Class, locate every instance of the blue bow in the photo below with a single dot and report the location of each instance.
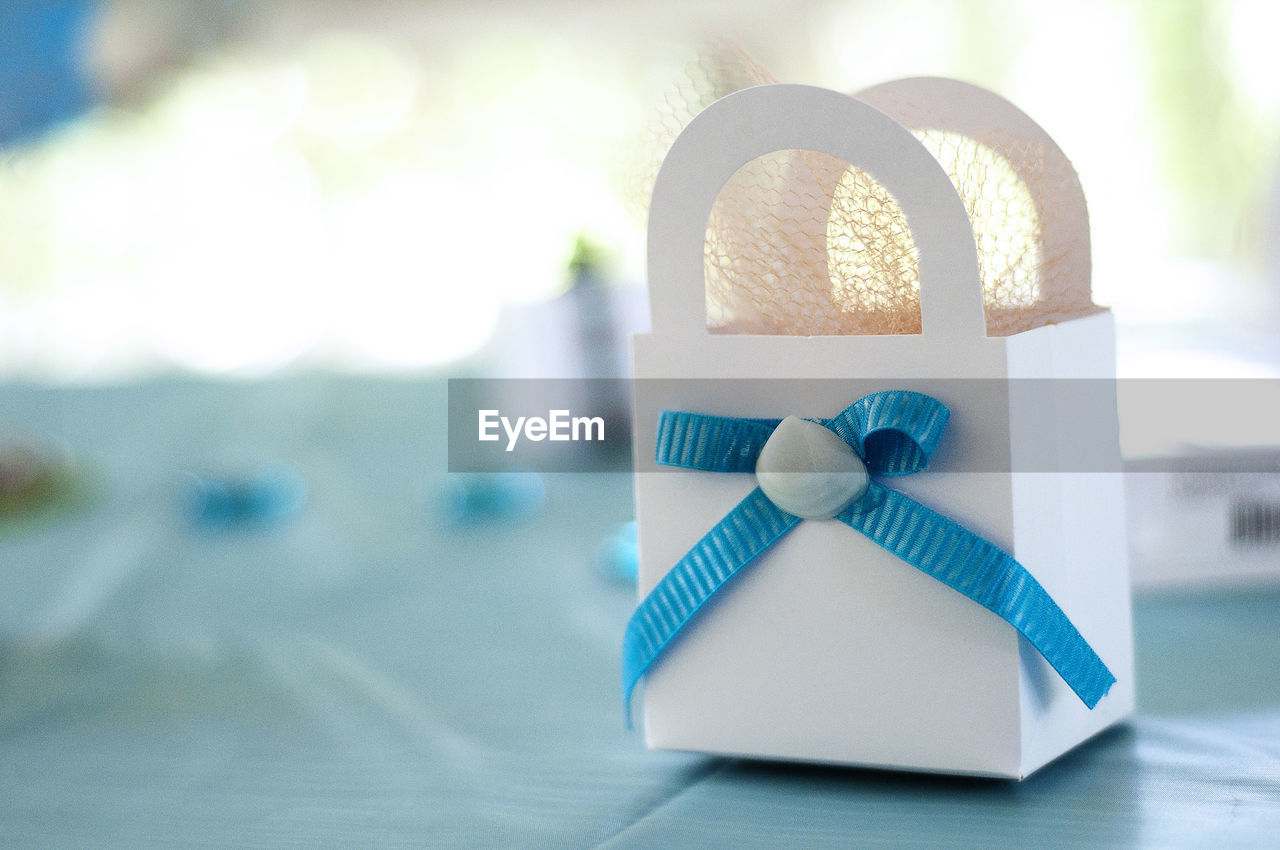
(895, 433)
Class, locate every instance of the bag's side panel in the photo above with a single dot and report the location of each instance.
(1069, 521)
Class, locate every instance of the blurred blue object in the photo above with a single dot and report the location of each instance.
(43, 79)
(267, 497)
(619, 557)
(482, 497)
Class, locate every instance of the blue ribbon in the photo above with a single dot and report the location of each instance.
(895, 433)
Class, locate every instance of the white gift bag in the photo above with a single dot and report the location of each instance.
(827, 648)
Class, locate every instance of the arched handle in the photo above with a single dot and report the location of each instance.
(761, 120)
(937, 103)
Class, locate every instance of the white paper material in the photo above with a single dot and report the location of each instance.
(828, 648)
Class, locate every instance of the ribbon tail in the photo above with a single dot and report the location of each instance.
(965, 562)
(746, 531)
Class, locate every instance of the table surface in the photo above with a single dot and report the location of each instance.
(368, 674)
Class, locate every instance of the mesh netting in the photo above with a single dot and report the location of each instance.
(802, 243)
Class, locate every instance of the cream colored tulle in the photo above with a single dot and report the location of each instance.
(801, 243)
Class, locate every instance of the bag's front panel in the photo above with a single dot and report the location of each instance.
(827, 647)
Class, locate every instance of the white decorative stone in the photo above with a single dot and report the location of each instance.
(808, 471)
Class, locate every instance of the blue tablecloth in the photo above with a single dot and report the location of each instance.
(369, 674)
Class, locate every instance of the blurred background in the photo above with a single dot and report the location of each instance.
(237, 187)
(252, 190)
(244, 242)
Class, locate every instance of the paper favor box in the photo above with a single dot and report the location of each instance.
(826, 646)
